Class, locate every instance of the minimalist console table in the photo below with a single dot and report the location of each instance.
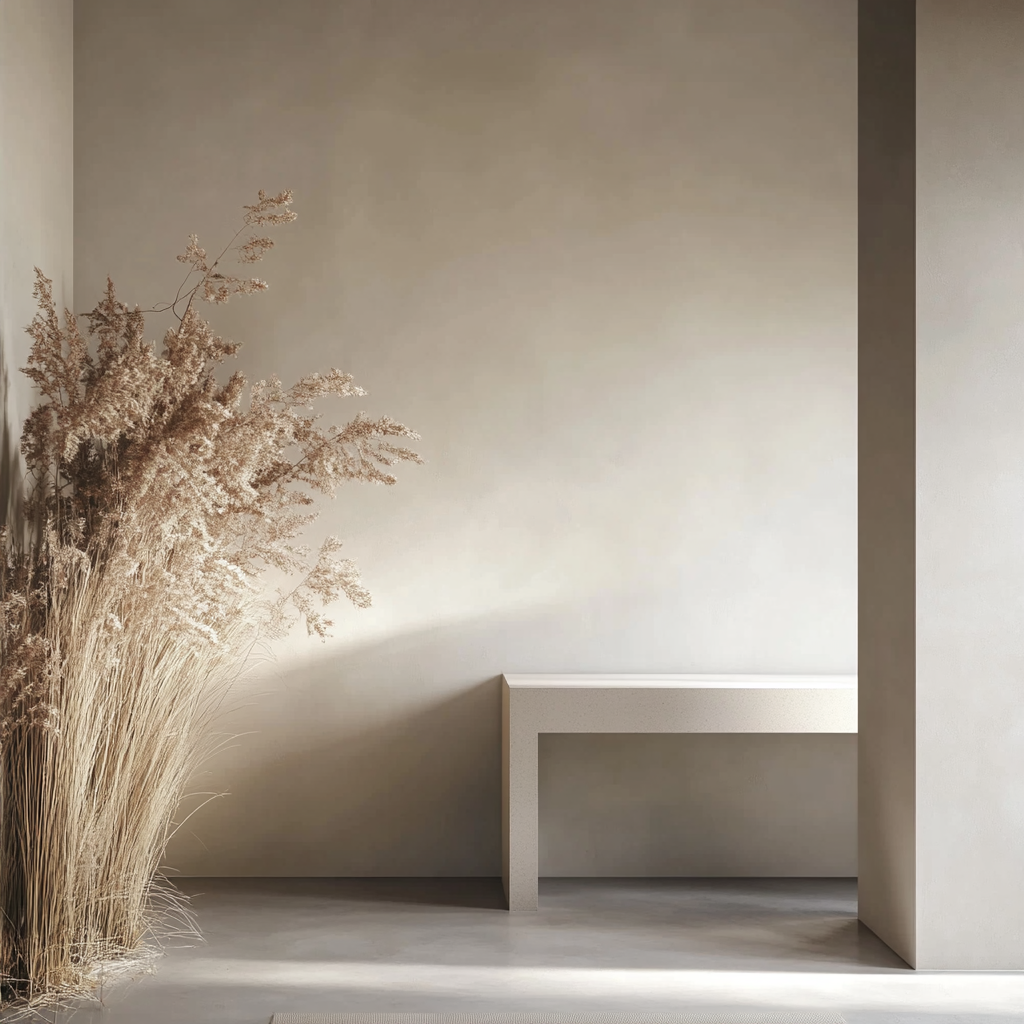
(531, 705)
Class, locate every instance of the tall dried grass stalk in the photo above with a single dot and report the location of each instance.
(129, 598)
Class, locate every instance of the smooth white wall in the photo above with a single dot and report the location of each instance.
(970, 485)
(36, 166)
(603, 256)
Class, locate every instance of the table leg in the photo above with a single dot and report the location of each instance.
(519, 815)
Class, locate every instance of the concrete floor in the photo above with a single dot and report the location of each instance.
(306, 945)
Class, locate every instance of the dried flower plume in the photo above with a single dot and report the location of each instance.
(160, 496)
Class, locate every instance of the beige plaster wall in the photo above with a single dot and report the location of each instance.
(741, 805)
(36, 195)
(970, 485)
(603, 256)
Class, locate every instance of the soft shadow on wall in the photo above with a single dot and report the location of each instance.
(375, 775)
(384, 760)
(10, 464)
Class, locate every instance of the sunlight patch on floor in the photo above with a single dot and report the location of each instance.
(921, 992)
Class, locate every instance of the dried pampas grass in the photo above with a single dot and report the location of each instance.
(133, 593)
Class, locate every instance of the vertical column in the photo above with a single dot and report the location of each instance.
(942, 480)
(887, 467)
(970, 485)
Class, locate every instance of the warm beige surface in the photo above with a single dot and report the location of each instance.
(603, 256)
(942, 498)
(970, 485)
(35, 194)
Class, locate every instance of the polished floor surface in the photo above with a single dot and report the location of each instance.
(331, 946)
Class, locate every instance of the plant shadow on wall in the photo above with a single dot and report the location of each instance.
(392, 787)
(159, 498)
(10, 469)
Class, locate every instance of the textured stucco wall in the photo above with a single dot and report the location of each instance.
(970, 485)
(603, 256)
(36, 166)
